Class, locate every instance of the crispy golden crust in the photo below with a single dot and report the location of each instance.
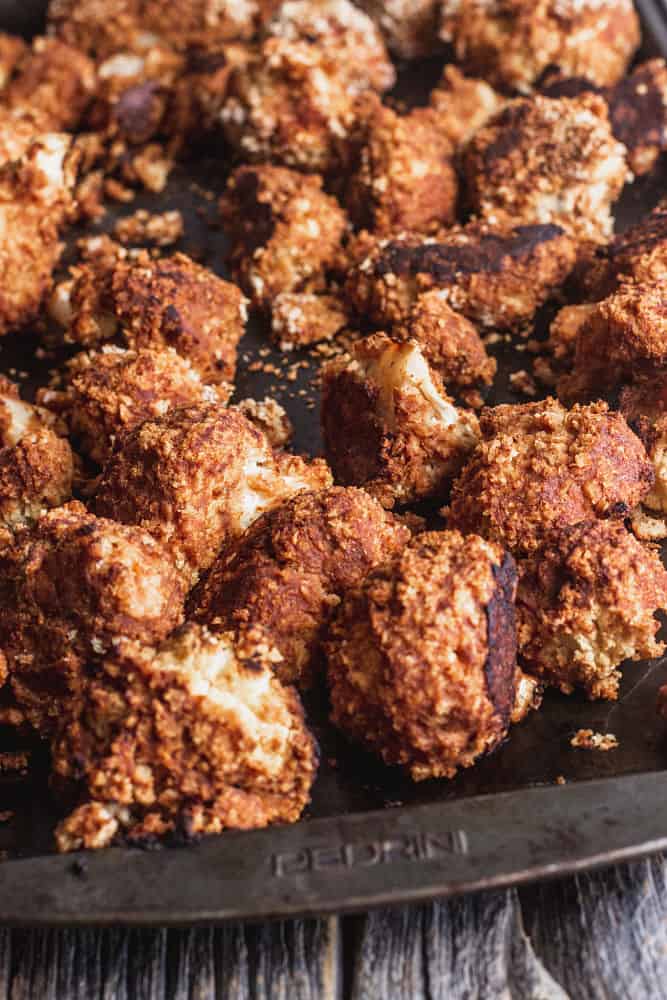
(639, 255)
(388, 423)
(541, 467)
(542, 160)
(623, 335)
(462, 105)
(410, 27)
(301, 318)
(284, 577)
(422, 656)
(71, 586)
(193, 738)
(644, 406)
(108, 392)
(196, 478)
(270, 417)
(171, 302)
(405, 179)
(497, 276)
(285, 230)
(512, 42)
(565, 329)
(292, 105)
(54, 80)
(450, 342)
(35, 474)
(347, 33)
(586, 602)
(12, 49)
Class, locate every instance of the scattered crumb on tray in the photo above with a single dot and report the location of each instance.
(523, 382)
(6, 815)
(586, 739)
(16, 761)
(161, 228)
(561, 780)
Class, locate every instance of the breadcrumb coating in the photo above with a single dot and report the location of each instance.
(422, 656)
(193, 738)
(171, 302)
(285, 576)
(292, 105)
(388, 423)
(638, 255)
(346, 32)
(541, 160)
(35, 200)
(587, 601)
(496, 276)
(623, 335)
(302, 318)
(270, 417)
(564, 330)
(197, 478)
(638, 114)
(410, 27)
(512, 43)
(12, 50)
(644, 405)
(71, 586)
(110, 391)
(54, 80)
(285, 231)
(406, 178)
(540, 467)
(463, 104)
(450, 343)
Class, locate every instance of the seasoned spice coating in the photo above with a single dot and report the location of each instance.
(388, 423)
(638, 255)
(643, 403)
(54, 80)
(540, 467)
(587, 601)
(193, 738)
(422, 656)
(302, 318)
(284, 577)
(462, 105)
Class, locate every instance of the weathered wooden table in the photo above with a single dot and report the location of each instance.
(602, 935)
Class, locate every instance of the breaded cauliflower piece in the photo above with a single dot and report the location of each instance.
(302, 318)
(388, 423)
(496, 276)
(586, 601)
(622, 336)
(146, 303)
(638, 255)
(270, 417)
(512, 43)
(35, 200)
(54, 80)
(638, 114)
(285, 231)
(540, 467)
(348, 34)
(410, 27)
(108, 392)
(197, 478)
(422, 656)
(463, 104)
(541, 160)
(71, 586)
(291, 104)
(643, 403)
(285, 575)
(36, 462)
(406, 178)
(450, 343)
(193, 738)
(564, 330)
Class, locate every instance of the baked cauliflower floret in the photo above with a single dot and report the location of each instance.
(422, 656)
(36, 462)
(450, 343)
(541, 160)
(564, 331)
(638, 255)
(198, 477)
(586, 602)
(348, 34)
(302, 318)
(193, 738)
(540, 467)
(513, 42)
(285, 231)
(284, 577)
(638, 114)
(463, 104)
(623, 335)
(497, 276)
(388, 423)
(53, 79)
(110, 391)
(410, 27)
(405, 179)
(145, 303)
(293, 105)
(35, 200)
(644, 406)
(72, 585)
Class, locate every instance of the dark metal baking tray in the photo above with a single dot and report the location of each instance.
(370, 836)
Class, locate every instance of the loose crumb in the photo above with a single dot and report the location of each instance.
(161, 228)
(586, 739)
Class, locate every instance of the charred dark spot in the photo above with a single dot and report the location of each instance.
(254, 665)
(639, 239)
(556, 86)
(617, 510)
(139, 110)
(257, 216)
(204, 61)
(500, 665)
(445, 262)
(637, 110)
